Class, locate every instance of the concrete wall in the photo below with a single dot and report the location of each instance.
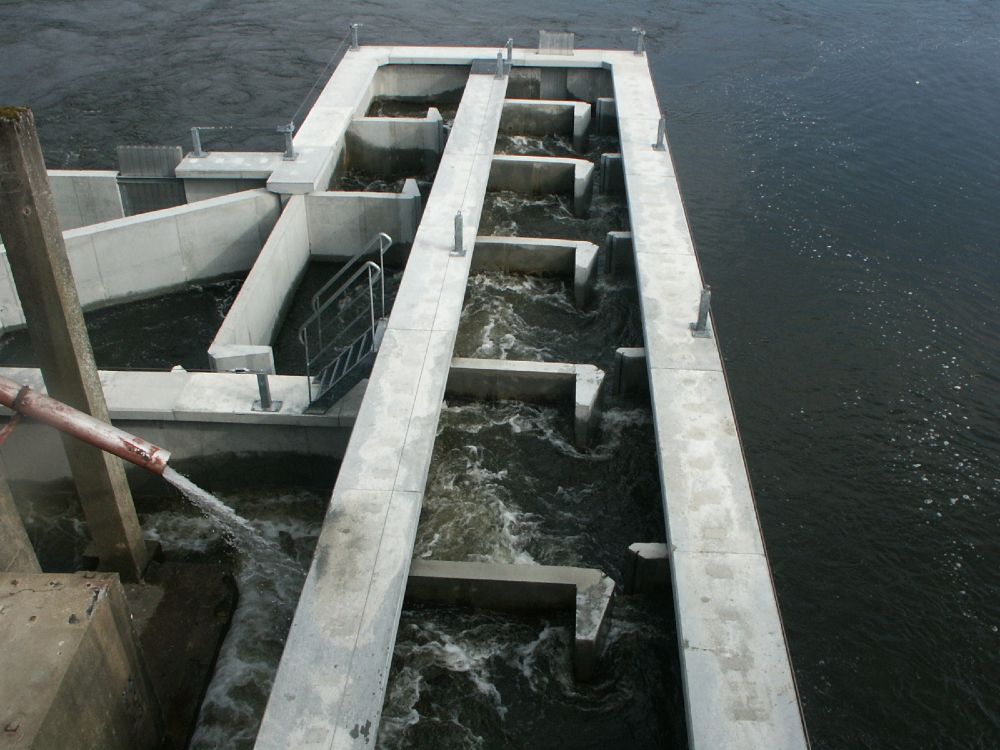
(390, 145)
(203, 189)
(582, 84)
(544, 117)
(73, 674)
(159, 251)
(443, 83)
(541, 175)
(85, 197)
(257, 311)
(342, 223)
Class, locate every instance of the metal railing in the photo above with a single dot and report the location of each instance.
(341, 331)
(384, 242)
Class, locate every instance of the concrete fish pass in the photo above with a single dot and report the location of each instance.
(396, 159)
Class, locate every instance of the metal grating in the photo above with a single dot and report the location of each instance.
(147, 180)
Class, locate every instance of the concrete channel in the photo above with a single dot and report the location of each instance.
(268, 216)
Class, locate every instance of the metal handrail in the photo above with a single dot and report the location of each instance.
(384, 243)
(374, 273)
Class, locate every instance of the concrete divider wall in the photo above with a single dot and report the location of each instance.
(258, 308)
(585, 84)
(392, 144)
(542, 117)
(156, 252)
(416, 83)
(540, 175)
(85, 197)
(341, 223)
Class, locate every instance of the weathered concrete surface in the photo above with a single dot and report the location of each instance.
(159, 251)
(573, 258)
(85, 197)
(73, 675)
(523, 588)
(541, 175)
(16, 553)
(329, 686)
(612, 174)
(618, 252)
(41, 271)
(542, 117)
(533, 381)
(739, 687)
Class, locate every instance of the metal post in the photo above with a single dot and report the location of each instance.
(661, 135)
(197, 152)
(699, 329)
(500, 66)
(640, 36)
(383, 238)
(510, 54)
(43, 278)
(265, 403)
(354, 36)
(459, 241)
(288, 130)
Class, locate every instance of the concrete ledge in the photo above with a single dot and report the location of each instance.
(540, 117)
(647, 568)
(533, 381)
(523, 588)
(229, 165)
(229, 357)
(577, 259)
(631, 373)
(73, 674)
(542, 175)
(85, 197)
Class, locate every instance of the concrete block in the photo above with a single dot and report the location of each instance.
(341, 224)
(204, 189)
(587, 404)
(606, 116)
(576, 259)
(543, 117)
(229, 165)
(73, 672)
(647, 568)
(542, 175)
(392, 145)
(584, 273)
(612, 174)
(523, 588)
(618, 252)
(631, 373)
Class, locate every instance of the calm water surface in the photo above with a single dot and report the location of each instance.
(839, 162)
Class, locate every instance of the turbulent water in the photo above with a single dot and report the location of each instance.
(838, 162)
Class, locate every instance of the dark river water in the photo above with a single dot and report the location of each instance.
(840, 163)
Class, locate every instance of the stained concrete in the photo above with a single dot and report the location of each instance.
(74, 676)
(85, 197)
(16, 553)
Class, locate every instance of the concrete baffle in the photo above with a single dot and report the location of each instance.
(73, 674)
(41, 270)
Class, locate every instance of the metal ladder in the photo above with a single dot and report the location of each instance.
(342, 335)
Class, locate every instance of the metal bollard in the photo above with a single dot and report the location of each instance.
(640, 34)
(265, 403)
(197, 153)
(510, 54)
(354, 36)
(699, 329)
(288, 130)
(500, 67)
(459, 240)
(661, 135)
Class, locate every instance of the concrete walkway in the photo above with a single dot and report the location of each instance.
(329, 687)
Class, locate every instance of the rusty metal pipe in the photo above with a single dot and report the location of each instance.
(23, 400)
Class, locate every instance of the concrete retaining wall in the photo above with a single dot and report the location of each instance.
(85, 197)
(390, 145)
(585, 84)
(542, 117)
(416, 83)
(541, 175)
(341, 223)
(257, 310)
(156, 252)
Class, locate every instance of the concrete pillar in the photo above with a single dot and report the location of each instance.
(16, 553)
(37, 256)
